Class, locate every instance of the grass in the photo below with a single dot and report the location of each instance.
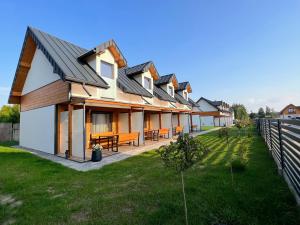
(207, 127)
(140, 190)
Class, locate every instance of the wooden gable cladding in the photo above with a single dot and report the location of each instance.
(25, 60)
(285, 111)
(174, 82)
(54, 93)
(114, 51)
(189, 88)
(153, 72)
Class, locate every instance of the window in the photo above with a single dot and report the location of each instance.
(102, 122)
(185, 95)
(107, 70)
(291, 110)
(147, 83)
(170, 90)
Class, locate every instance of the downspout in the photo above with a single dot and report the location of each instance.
(84, 132)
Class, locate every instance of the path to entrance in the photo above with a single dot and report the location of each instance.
(86, 166)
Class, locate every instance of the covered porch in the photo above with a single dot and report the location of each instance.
(118, 127)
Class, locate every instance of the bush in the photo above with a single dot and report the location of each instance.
(238, 164)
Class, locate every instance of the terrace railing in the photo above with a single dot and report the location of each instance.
(283, 140)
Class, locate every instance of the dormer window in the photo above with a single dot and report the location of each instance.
(185, 95)
(147, 83)
(170, 90)
(107, 70)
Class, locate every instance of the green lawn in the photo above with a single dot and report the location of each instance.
(140, 190)
(207, 127)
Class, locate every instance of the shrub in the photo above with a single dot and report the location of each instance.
(238, 164)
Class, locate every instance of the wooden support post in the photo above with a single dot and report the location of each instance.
(159, 115)
(191, 116)
(178, 119)
(129, 121)
(88, 128)
(58, 129)
(117, 122)
(70, 116)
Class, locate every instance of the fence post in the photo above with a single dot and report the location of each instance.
(270, 134)
(280, 145)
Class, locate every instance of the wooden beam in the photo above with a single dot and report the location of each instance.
(191, 122)
(129, 121)
(88, 128)
(25, 64)
(159, 115)
(70, 118)
(16, 93)
(178, 119)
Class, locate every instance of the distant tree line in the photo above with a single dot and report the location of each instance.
(10, 114)
(267, 113)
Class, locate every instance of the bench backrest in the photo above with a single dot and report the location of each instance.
(97, 135)
(129, 136)
(179, 129)
(164, 131)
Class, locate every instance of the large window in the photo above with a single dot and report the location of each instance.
(291, 110)
(170, 90)
(102, 122)
(147, 83)
(107, 70)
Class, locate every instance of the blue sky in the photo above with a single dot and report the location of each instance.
(237, 51)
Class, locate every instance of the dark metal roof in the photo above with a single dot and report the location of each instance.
(101, 48)
(182, 86)
(63, 57)
(164, 79)
(162, 94)
(193, 103)
(141, 68)
(181, 100)
(130, 85)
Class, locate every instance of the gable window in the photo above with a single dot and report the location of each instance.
(291, 110)
(107, 70)
(147, 83)
(170, 90)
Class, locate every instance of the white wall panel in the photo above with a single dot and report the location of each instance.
(77, 133)
(37, 129)
(166, 122)
(123, 123)
(137, 124)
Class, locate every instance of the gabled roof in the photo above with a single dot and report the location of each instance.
(216, 104)
(130, 85)
(141, 68)
(162, 94)
(193, 103)
(288, 106)
(208, 101)
(184, 86)
(114, 49)
(181, 100)
(61, 54)
(165, 79)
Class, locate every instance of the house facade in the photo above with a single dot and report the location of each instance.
(290, 112)
(214, 113)
(67, 94)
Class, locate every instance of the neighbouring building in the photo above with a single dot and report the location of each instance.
(290, 112)
(68, 93)
(214, 113)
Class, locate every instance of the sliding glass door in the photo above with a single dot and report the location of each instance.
(102, 122)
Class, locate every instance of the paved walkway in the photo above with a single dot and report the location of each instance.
(86, 166)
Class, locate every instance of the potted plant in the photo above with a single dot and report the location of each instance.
(96, 153)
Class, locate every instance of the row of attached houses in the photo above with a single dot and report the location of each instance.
(67, 94)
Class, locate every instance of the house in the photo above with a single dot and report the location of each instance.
(69, 95)
(290, 112)
(214, 113)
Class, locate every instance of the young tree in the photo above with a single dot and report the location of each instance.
(261, 113)
(268, 111)
(181, 155)
(252, 115)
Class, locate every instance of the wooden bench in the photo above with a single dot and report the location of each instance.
(163, 132)
(96, 138)
(178, 130)
(129, 137)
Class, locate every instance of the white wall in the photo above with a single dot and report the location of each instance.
(123, 123)
(196, 121)
(205, 106)
(37, 128)
(207, 120)
(166, 122)
(165, 87)
(184, 121)
(77, 133)
(175, 120)
(40, 73)
(137, 124)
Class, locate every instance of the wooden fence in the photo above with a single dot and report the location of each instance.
(283, 140)
(9, 131)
